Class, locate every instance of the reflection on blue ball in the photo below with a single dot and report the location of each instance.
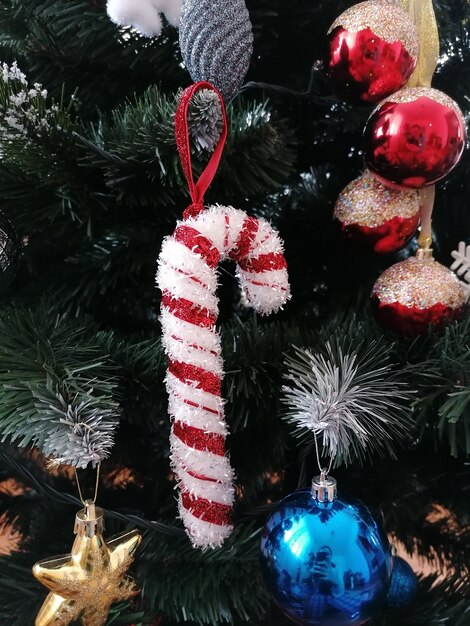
(325, 563)
(403, 584)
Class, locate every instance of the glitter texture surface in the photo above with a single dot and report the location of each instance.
(199, 188)
(389, 22)
(212, 512)
(419, 283)
(403, 584)
(216, 41)
(199, 439)
(366, 202)
(410, 95)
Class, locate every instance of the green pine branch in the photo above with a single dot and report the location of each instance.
(440, 367)
(58, 386)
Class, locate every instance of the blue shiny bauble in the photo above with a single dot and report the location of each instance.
(403, 584)
(325, 563)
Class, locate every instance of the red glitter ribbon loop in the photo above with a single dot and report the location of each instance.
(198, 189)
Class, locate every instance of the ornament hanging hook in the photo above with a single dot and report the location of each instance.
(323, 486)
(87, 503)
(317, 454)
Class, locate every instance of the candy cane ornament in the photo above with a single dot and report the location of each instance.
(187, 276)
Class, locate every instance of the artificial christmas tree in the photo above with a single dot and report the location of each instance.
(90, 180)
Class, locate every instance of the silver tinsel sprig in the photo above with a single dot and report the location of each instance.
(79, 432)
(352, 399)
(205, 120)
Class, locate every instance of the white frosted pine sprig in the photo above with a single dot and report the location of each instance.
(79, 433)
(351, 400)
(24, 109)
(461, 266)
(144, 15)
(205, 120)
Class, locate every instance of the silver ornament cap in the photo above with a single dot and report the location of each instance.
(324, 487)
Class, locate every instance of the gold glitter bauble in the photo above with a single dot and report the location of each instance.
(388, 21)
(419, 283)
(376, 218)
(366, 202)
(85, 583)
(416, 295)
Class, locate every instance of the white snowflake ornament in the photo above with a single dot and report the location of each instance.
(461, 266)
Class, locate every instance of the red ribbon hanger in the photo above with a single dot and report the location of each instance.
(198, 189)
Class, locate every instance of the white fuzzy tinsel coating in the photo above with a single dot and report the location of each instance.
(185, 275)
(222, 225)
(144, 15)
(203, 534)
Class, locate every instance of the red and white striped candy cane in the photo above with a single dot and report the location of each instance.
(187, 277)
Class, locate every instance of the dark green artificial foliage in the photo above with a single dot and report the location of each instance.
(92, 193)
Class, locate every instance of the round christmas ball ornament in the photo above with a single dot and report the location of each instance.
(375, 217)
(216, 41)
(372, 51)
(417, 294)
(414, 138)
(325, 561)
(10, 253)
(403, 584)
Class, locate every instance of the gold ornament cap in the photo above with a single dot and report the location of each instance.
(89, 521)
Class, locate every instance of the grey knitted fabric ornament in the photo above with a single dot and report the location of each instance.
(216, 41)
(205, 120)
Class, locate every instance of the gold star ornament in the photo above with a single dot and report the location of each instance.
(84, 584)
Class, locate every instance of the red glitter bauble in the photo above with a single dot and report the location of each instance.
(416, 295)
(414, 138)
(372, 51)
(376, 218)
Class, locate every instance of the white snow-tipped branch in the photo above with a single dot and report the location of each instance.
(351, 400)
(461, 266)
(144, 15)
(78, 432)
